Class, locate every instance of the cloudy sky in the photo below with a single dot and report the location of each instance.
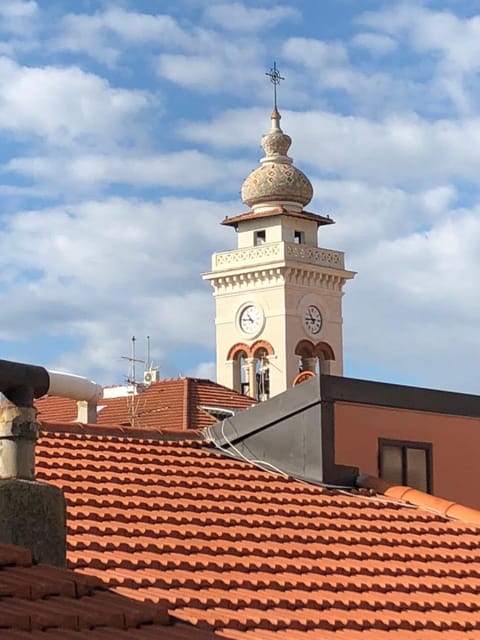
(127, 128)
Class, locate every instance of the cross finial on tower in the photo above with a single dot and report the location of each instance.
(275, 78)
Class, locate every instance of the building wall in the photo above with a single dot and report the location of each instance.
(455, 441)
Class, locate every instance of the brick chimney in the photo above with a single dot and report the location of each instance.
(32, 514)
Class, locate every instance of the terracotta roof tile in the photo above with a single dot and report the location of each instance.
(243, 551)
(178, 404)
(40, 601)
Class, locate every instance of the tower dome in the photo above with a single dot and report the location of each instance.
(276, 182)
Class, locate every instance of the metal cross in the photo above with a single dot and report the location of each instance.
(275, 78)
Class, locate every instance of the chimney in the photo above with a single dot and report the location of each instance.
(86, 412)
(32, 514)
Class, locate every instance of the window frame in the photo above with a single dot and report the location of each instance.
(404, 445)
(259, 237)
(298, 236)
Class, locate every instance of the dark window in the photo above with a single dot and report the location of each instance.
(408, 463)
(263, 384)
(260, 237)
(298, 237)
(244, 389)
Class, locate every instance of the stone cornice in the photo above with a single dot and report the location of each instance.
(279, 275)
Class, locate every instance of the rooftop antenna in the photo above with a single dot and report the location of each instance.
(151, 373)
(133, 360)
(149, 361)
(275, 79)
(132, 408)
(132, 379)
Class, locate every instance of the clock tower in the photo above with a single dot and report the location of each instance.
(278, 295)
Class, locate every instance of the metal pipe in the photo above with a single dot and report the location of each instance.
(68, 385)
(21, 383)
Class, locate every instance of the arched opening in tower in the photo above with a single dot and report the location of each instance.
(316, 358)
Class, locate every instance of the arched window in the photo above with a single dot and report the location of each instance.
(325, 356)
(305, 350)
(262, 374)
(238, 355)
(251, 369)
(314, 357)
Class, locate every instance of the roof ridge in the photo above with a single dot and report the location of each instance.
(442, 506)
(116, 430)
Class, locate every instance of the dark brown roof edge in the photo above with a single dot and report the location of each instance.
(116, 430)
(251, 215)
(387, 394)
(444, 507)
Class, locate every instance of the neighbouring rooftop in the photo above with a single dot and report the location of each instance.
(41, 602)
(177, 403)
(250, 553)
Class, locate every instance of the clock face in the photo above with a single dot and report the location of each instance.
(313, 319)
(251, 319)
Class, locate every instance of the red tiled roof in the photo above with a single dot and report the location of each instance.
(167, 404)
(44, 602)
(251, 553)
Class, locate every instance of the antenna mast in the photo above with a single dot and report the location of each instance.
(131, 380)
(132, 360)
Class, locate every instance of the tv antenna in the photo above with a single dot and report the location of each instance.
(132, 380)
(132, 359)
(149, 360)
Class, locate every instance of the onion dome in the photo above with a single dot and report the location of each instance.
(276, 182)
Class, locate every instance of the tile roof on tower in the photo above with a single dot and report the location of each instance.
(250, 553)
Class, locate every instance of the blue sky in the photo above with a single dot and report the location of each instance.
(128, 128)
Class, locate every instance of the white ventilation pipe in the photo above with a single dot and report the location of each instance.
(68, 385)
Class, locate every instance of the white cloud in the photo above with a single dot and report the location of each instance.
(393, 172)
(102, 34)
(315, 53)
(367, 215)
(189, 169)
(16, 15)
(203, 370)
(393, 151)
(232, 129)
(101, 271)
(416, 303)
(452, 42)
(65, 105)
(458, 39)
(377, 44)
(142, 27)
(236, 16)
(326, 66)
(212, 63)
(204, 74)
(20, 22)
(413, 307)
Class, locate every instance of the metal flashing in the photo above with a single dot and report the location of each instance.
(287, 433)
